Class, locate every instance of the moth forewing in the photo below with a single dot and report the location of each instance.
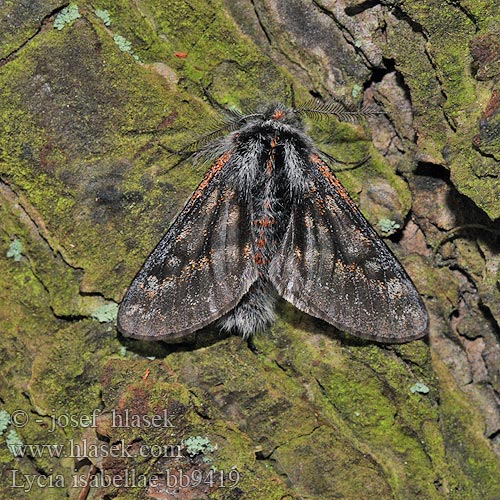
(200, 270)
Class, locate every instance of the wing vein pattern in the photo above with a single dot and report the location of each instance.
(200, 269)
(333, 265)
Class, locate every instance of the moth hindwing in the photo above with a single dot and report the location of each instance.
(269, 219)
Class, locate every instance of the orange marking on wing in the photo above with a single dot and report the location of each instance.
(217, 166)
(327, 174)
(246, 250)
(260, 243)
(298, 253)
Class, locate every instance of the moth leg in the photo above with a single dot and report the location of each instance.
(351, 165)
(254, 313)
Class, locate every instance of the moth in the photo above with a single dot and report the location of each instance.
(271, 220)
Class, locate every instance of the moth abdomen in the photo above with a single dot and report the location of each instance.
(255, 312)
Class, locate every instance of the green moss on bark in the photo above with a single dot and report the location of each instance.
(309, 412)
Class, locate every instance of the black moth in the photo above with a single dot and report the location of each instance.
(270, 219)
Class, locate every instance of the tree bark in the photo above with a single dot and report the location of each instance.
(89, 100)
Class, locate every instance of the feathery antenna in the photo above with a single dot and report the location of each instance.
(315, 108)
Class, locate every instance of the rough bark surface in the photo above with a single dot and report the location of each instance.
(86, 192)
